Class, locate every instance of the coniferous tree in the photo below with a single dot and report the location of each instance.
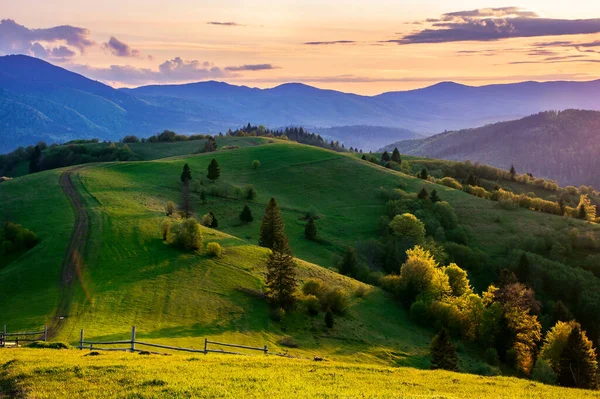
(34, 161)
(329, 318)
(310, 230)
(562, 206)
(281, 279)
(472, 180)
(443, 352)
(423, 194)
(434, 197)
(210, 145)
(186, 177)
(364, 157)
(246, 215)
(424, 174)
(349, 262)
(215, 223)
(578, 364)
(214, 171)
(272, 229)
(513, 172)
(385, 157)
(581, 212)
(396, 156)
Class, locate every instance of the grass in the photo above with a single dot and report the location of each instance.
(43, 373)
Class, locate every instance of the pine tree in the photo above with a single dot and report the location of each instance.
(213, 170)
(434, 197)
(443, 352)
(272, 229)
(581, 212)
(215, 223)
(329, 318)
(513, 172)
(246, 215)
(34, 161)
(349, 262)
(186, 177)
(562, 206)
(396, 156)
(310, 230)
(281, 279)
(424, 174)
(210, 145)
(385, 157)
(364, 157)
(578, 364)
(423, 194)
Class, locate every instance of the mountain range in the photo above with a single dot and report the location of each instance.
(40, 101)
(562, 146)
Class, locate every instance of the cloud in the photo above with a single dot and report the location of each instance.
(18, 39)
(495, 24)
(251, 67)
(58, 53)
(331, 42)
(223, 23)
(120, 49)
(558, 60)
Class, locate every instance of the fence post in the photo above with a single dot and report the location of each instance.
(81, 339)
(266, 350)
(45, 333)
(205, 346)
(133, 338)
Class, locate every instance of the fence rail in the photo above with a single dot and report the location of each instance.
(6, 337)
(131, 345)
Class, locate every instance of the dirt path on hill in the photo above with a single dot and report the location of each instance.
(72, 261)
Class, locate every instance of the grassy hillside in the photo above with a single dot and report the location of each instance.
(71, 373)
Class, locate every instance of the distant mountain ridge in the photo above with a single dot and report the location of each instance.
(562, 146)
(40, 101)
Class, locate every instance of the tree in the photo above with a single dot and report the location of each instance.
(329, 319)
(423, 194)
(555, 342)
(170, 208)
(213, 170)
(349, 262)
(420, 274)
(165, 229)
(443, 352)
(396, 156)
(310, 230)
(364, 157)
(578, 364)
(34, 161)
(513, 173)
(281, 279)
(210, 145)
(255, 164)
(585, 209)
(215, 222)
(424, 174)
(408, 227)
(272, 229)
(562, 206)
(188, 235)
(459, 282)
(434, 197)
(186, 177)
(581, 212)
(385, 157)
(246, 215)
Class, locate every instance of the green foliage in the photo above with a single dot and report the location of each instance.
(396, 156)
(272, 229)
(250, 193)
(542, 372)
(491, 357)
(457, 277)
(170, 208)
(255, 164)
(408, 227)
(349, 263)
(187, 235)
(312, 304)
(443, 352)
(165, 229)
(435, 198)
(214, 171)
(578, 364)
(335, 300)
(313, 287)
(214, 249)
(246, 215)
(281, 278)
(451, 182)
(207, 220)
(49, 345)
(423, 194)
(14, 239)
(310, 230)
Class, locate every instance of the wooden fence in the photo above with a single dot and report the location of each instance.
(131, 345)
(6, 338)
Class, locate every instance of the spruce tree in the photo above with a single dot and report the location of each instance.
(281, 279)
(349, 262)
(396, 156)
(578, 364)
(424, 174)
(213, 170)
(423, 194)
(310, 230)
(385, 157)
(186, 174)
(443, 352)
(34, 161)
(246, 215)
(215, 223)
(562, 206)
(186, 177)
(434, 197)
(272, 229)
(364, 157)
(513, 172)
(581, 212)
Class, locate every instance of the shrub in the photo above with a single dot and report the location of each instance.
(419, 312)
(277, 314)
(207, 220)
(491, 356)
(255, 164)
(542, 372)
(49, 345)
(335, 300)
(170, 208)
(361, 291)
(572, 190)
(312, 304)
(313, 287)
(165, 229)
(131, 139)
(288, 342)
(188, 235)
(451, 182)
(214, 249)
(250, 192)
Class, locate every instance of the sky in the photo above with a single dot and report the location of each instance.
(347, 45)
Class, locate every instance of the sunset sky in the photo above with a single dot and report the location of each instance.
(353, 46)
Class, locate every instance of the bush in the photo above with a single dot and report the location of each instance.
(207, 220)
(277, 314)
(131, 139)
(313, 287)
(361, 291)
(255, 164)
(542, 372)
(451, 182)
(214, 249)
(165, 229)
(170, 208)
(491, 357)
(250, 192)
(572, 190)
(188, 235)
(336, 300)
(419, 312)
(49, 345)
(312, 304)
(288, 342)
